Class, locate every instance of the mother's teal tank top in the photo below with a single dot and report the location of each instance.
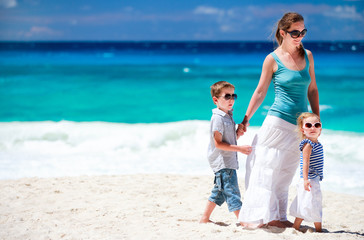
(290, 88)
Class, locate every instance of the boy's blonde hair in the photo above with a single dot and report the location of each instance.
(300, 119)
(217, 87)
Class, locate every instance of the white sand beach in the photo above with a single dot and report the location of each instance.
(147, 207)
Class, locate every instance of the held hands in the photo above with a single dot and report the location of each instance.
(307, 185)
(245, 149)
(240, 130)
(242, 127)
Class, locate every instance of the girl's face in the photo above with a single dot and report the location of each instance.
(297, 26)
(311, 128)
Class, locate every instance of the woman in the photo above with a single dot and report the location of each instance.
(275, 157)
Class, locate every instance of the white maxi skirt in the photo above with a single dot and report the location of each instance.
(308, 204)
(269, 172)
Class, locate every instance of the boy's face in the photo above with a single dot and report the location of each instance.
(222, 103)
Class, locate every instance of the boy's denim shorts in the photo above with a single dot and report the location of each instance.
(226, 189)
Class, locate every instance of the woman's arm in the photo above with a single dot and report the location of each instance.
(312, 93)
(306, 153)
(269, 66)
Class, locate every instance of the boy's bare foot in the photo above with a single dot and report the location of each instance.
(204, 220)
(277, 223)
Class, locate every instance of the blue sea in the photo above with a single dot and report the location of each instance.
(92, 108)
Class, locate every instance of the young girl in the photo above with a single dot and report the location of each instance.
(308, 203)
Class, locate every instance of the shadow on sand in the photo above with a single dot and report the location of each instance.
(305, 229)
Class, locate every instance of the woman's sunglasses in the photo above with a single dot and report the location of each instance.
(229, 96)
(297, 34)
(310, 125)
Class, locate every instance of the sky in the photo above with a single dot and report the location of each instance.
(174, 20)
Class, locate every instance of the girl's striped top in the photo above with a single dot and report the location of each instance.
(316, 160)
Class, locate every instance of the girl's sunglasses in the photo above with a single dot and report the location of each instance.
(297, 34)
(229, 96)
(310, 125)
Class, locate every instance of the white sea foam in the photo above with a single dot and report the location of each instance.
(53, 149)
(323, 107)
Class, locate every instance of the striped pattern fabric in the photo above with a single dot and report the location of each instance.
(316, 160)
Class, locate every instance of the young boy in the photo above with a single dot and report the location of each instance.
(222, 151)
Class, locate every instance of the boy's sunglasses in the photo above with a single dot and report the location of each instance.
(297, 34)
(229, 96)
(310, 125)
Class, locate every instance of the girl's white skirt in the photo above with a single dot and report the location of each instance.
(308, 204)
(269, 172)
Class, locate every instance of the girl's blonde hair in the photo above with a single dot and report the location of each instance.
(300, 119)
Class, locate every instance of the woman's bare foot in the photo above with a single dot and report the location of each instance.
(277, 223)
(287, 223)
(251, 225)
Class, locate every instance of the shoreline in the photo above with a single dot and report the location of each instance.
(49, 149)
(147, 206)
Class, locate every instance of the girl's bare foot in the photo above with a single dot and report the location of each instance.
(318, 226)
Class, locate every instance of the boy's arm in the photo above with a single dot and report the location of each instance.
(306, 153)
(228, 147)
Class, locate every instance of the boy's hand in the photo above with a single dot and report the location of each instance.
(245, 149)
(307, 185)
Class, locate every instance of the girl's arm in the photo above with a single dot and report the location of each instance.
(306, 153)
(312, 93)
(228, 147)
(269, 66)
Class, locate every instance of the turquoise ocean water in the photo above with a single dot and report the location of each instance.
(92, 87)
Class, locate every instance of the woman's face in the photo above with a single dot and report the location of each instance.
(287, 38)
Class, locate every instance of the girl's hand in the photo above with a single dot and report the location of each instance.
(245, 149)
(307, 185)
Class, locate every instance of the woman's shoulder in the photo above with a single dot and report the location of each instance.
(269, 59)
(309, 54)
(270, 56)
(276, 55)
(276, 52)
